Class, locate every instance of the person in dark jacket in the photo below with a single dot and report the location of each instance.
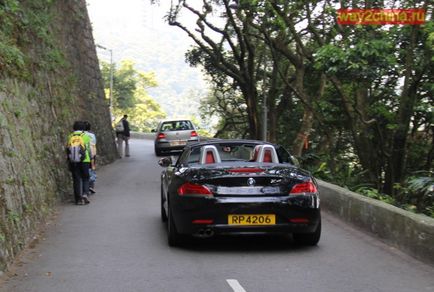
(124, 136)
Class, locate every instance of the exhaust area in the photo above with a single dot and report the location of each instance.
(204, 233)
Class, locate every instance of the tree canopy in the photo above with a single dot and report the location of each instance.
(130, 95)
(354, 101)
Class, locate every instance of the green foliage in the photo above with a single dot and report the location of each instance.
(415, 195)
(375, 194)
(429, 29)
(203, 132)
(14, 217)
(364, 60)
(11, 58)
(130, 95)
(418, 192)
(229, 107)
(25, 23)
(372, 116)
(421, 185)
(124, 85)
(343, 171)
(126, 81)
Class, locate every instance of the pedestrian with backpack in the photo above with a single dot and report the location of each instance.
(123, 135)
(78, 155)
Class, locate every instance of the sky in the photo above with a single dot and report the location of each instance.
(135, 30)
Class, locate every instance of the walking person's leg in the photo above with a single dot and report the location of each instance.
(127, 146)
(84, 172)
(92, 175)
(119, 141)
(76, 182)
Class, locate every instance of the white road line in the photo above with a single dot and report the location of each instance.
(235, 285)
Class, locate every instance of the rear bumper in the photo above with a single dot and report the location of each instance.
(187, 210)
(165, 146)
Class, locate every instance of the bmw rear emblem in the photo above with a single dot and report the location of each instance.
(251, 182)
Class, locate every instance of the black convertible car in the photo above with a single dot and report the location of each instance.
(223, 187)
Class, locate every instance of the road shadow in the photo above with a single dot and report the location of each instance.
(238, 243)
(250, 243)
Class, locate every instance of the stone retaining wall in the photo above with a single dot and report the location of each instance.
(38, 104)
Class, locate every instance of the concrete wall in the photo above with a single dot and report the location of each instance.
(409, 232)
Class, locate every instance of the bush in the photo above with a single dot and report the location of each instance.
(375, 194)
(419, 192)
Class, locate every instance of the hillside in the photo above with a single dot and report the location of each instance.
(135, 30)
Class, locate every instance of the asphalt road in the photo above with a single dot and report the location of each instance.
(118, 243)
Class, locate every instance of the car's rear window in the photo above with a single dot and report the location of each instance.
(176, 126)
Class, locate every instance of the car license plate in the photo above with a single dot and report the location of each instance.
(178, 143)
(239, 190)
(247, 190)
(252, 219)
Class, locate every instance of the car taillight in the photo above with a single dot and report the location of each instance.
(306, 187)
(193, 189)
(299, 220)
(193, 134)
(202, 221)
(161, 136)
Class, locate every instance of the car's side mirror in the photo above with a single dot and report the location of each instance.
(165, 161)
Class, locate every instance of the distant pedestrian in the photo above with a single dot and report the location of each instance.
(78, 155)
(92, 170)
(123, 135)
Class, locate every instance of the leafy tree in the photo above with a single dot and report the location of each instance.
(227, 49)
(360, 97)
(130, 95)
(226, 103)
(377, 93)
(379, 74)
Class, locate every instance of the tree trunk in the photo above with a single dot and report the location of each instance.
(250, 96)
(361, 132)
(303, 133)
(302, 139)
(272, 115)
(397, 160)
(429, 159)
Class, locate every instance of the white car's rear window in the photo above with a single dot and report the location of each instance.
(176, 126)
